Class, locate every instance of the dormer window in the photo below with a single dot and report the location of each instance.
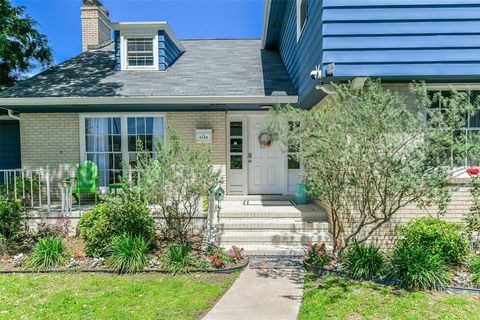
(140, 52)
(145, 46)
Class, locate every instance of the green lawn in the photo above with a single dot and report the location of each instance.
(335, 298)
(106, 296)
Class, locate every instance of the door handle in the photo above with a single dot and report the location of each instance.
(249, 157)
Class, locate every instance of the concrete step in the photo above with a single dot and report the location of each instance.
(273, 238)
(267, 197)
(281, 224)
(271, 250)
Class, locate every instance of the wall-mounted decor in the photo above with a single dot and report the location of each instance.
(203, 135)
(265, 139)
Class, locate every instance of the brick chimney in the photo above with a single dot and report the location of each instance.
(96, 30)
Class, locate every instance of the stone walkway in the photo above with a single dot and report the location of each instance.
(261, 294)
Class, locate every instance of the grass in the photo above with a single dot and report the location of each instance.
(107, 296)
(336, 298)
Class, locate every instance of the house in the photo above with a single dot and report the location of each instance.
(134, 79)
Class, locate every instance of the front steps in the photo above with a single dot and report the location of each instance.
(274, 230)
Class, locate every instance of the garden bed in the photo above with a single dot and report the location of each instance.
(77, 261)
(327, 271)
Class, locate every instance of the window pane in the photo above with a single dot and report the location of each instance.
(236, 129)
(293, 163)
(102, 139)
(117, 128)
(236, 162)
(149, 125)
(131, 126)
(236, 145)
(140, 125)
(140, 52)
(132, 143)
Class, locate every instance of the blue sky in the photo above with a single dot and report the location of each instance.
(60, 19)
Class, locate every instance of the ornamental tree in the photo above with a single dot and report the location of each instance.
(174, 181)
(21, 44)
(370, 152)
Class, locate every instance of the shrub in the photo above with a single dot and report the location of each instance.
(126, 216)
(177, 258)
(128, 254)
(414, 267)
(175, 181)
(47, 253)
(360, 260)
(12, 217)
(474, 268)
(437, 237)
(318, 255)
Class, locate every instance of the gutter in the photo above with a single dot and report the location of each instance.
(170, 100)
(266, 16)
(11, 115)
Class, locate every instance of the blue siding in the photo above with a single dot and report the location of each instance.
(301, 57)
(437, 40)
(168, 52)
(116, 39)
(414, 39)
(10, 145)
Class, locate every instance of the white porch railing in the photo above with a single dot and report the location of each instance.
(31, 186)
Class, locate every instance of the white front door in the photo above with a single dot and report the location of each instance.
(266, 164)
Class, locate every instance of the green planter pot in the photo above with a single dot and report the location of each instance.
(301, 194)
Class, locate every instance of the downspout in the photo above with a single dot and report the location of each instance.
(11, 115)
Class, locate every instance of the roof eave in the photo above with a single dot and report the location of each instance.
(266, 16)
(159, 25)
(172, 100)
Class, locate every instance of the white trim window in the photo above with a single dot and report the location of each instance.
(302, 16)
(470, 132)
(140, 52)
(110, 141)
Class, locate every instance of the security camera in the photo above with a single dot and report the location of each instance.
(316, 74)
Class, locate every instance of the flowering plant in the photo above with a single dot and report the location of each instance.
(235, 253)
(318, 255)
(217, 261)
(473, 171)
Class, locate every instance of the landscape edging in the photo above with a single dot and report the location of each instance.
(223, 271)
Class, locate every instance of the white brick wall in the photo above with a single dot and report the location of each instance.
(50, 139)
(53, 139)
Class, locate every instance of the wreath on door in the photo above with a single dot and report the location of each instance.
(265, 139)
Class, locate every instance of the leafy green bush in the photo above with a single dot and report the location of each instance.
(414, 267)
(12, 218)
(177, 258)
(47, 253)
(360, 260)
(437, 237)
(116, 217)
(474, 268)
(128, 254)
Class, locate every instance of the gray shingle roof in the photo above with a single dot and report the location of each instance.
(207, 68)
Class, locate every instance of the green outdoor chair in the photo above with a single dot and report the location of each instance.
(86, 180)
